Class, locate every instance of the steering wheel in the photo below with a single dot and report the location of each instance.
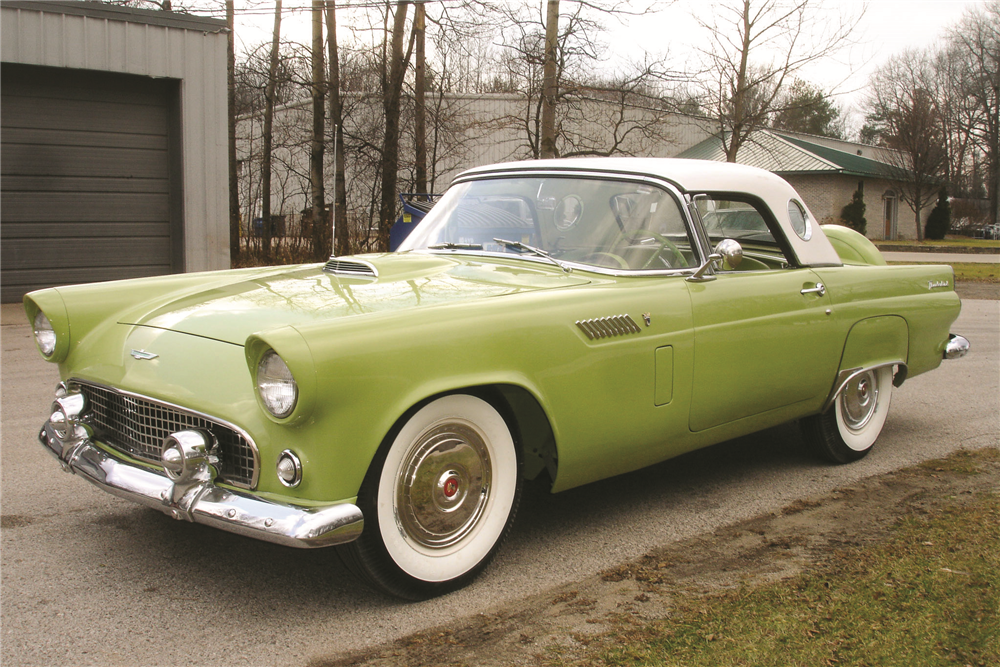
(642, 234)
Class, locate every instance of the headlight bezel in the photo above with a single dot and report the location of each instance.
(276, 385)
(288, 343)
(48, 304)
(45, 334)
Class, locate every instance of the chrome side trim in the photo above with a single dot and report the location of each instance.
(357, 268)
(202, 501)
(956, 347)
(607, 327)
(846, 375)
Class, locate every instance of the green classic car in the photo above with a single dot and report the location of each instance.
(576, 319)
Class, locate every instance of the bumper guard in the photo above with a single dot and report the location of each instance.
(198, 499)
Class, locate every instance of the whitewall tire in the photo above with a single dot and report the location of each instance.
(848, 430)
(439, 499)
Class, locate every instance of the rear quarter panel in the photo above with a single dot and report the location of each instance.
(923, 296)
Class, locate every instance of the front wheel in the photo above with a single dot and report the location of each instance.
(438, 500)
(848, 430)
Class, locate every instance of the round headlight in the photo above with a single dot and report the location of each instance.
(276, 385)
(45, 335)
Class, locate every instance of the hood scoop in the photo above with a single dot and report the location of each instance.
(350, 267)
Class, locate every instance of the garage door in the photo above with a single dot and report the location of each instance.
(86, 180)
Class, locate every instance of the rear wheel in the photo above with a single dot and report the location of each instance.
(848, 430)
(438, 501)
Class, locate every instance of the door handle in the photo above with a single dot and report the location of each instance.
(820, 290)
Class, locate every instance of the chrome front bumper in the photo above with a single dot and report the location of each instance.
(200, 500)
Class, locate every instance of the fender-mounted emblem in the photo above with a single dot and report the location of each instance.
(931, 284)
(143, 355)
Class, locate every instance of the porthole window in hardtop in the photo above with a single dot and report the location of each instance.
(800, 220)
(606, 223)
(747, 221)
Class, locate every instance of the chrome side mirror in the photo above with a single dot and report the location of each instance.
(699, 274)
(731, 251)
(727, 250)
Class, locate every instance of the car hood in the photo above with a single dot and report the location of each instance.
(299, 295)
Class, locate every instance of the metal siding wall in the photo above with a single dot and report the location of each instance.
(197, 57)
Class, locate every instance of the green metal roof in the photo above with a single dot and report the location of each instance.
(783, 154)
(848, 163)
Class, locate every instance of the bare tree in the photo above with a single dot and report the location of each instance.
(557, 116)
(419, 90)
(321, 248)
(272, 74)
(977, 41)
(753, 49)
(341, 241)
(394, 68)
(903, 110)
(550, 83)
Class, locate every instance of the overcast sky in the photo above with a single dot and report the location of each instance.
(887, 27)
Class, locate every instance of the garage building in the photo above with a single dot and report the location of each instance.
(113, 148)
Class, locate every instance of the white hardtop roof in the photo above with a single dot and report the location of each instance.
(697, 176)
(689, 175)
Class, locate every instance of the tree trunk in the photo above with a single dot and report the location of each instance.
(419, 108)
(341, 231)
(265, 184)
(321, 248)
(393, 89)
(549, 83)
(739, 95)
(234, 186)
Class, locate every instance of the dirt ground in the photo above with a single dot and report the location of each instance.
(968, 290)
(571, 622)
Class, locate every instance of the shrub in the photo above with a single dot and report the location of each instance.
(939, 221)
(854, 213)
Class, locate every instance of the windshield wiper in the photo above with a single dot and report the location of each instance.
(517, 245)
(455, 246)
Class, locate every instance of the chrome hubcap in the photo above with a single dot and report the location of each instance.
(858, 400)
(445, 485)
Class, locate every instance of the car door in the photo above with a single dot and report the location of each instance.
(763, 335)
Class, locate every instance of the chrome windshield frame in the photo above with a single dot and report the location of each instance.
(683, 201)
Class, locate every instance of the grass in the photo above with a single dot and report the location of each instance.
(929, 596)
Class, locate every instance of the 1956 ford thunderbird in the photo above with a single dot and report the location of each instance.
(571, 318)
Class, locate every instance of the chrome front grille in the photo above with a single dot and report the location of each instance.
(137, 426)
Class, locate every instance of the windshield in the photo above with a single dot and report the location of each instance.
(612, 224)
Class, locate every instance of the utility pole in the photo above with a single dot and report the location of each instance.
(234, 191)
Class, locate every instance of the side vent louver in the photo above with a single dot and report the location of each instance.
(607, 327)
(350, 267)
